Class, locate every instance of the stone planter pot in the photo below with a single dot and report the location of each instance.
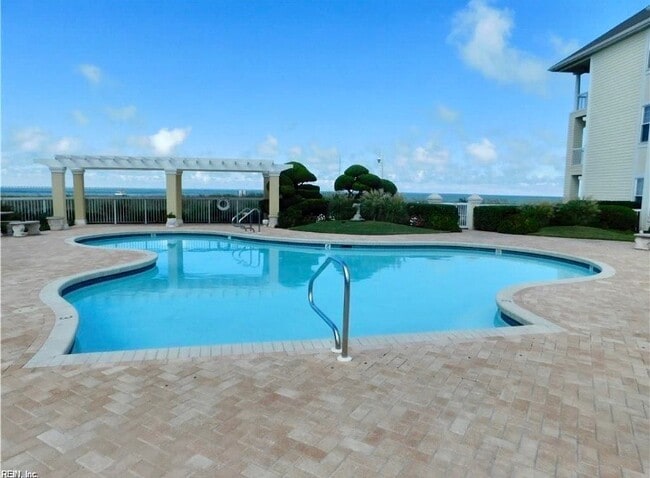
(171, 222)
(56, 223)
(642, 241)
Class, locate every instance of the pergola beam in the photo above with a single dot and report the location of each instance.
(173, 168)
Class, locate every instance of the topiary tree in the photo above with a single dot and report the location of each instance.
(388, 187)
(300, 202)
(357, 179)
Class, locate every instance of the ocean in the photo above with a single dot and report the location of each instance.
(15, 192)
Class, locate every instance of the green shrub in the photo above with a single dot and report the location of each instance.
(519, 224)
(489, 218)
(618, 217)
(441, 217)
(44, 226)
(308, 191)
(540, 213)
(388, 186)
(311, 208)
(290, 217)
(377, 205)
(629, 204)
(340, 207)
(303, 212)
(579, 212)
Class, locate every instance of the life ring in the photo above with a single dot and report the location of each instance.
(223, 204)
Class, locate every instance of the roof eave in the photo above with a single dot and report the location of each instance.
(578, 61)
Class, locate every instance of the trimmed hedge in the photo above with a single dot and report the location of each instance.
(628, 204)
(528, 219)
(519, 224)
(489, 218)
(441, 217)
(621, 218)
(578, 212)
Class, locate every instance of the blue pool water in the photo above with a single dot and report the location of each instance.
(207, 290)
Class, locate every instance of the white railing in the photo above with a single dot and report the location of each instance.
(582, 101)
(124, 210)
(152, 210)
(32, 209)
(462, 214)
(134, 210)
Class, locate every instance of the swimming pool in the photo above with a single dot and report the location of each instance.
(209, 289)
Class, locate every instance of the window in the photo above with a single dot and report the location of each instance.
(645, 126)
(638, 187)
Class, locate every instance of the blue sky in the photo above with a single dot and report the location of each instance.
(454, 95)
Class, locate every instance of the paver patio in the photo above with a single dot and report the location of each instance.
(571, 403)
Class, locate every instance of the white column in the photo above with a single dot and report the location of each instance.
(58, 193)
(473, 201)
(79, 197)
(174, 194)
(274, 198)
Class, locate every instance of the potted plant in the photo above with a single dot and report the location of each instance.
(171, 220)
(56, 223)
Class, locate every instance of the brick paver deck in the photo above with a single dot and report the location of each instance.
(571, 403)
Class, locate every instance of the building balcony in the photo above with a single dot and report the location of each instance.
(576, 156)
(582, 100)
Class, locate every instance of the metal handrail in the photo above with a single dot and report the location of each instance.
(340, 343)
(247, 213)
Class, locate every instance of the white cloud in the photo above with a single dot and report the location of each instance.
(438, 158)
(563, 47)
(484, 151)
(122, 114)
(482, 35)
(268, 147)
(544, 172)
(91, 72)
(80, 117)
(65, 145)
(166, 140)
(30, 140)
(33, 140)
(447, 114)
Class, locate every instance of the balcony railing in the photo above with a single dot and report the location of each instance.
(576, 157)
(582, 100)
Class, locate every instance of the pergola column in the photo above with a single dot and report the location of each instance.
(265, 185)
(79, 197)
(58, 192)
(174, 193)
(274, 198)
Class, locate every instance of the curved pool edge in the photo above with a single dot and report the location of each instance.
(54, 350)
(61, 337)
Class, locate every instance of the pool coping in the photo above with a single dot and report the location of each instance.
(54, 350)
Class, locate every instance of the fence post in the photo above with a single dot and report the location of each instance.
(114, 211)
(473, 201)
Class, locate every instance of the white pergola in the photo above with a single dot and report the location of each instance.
(173, 168)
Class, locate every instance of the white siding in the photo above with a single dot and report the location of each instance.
(614, 118)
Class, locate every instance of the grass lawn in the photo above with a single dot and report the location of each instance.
(583, 232)
(374, 228)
